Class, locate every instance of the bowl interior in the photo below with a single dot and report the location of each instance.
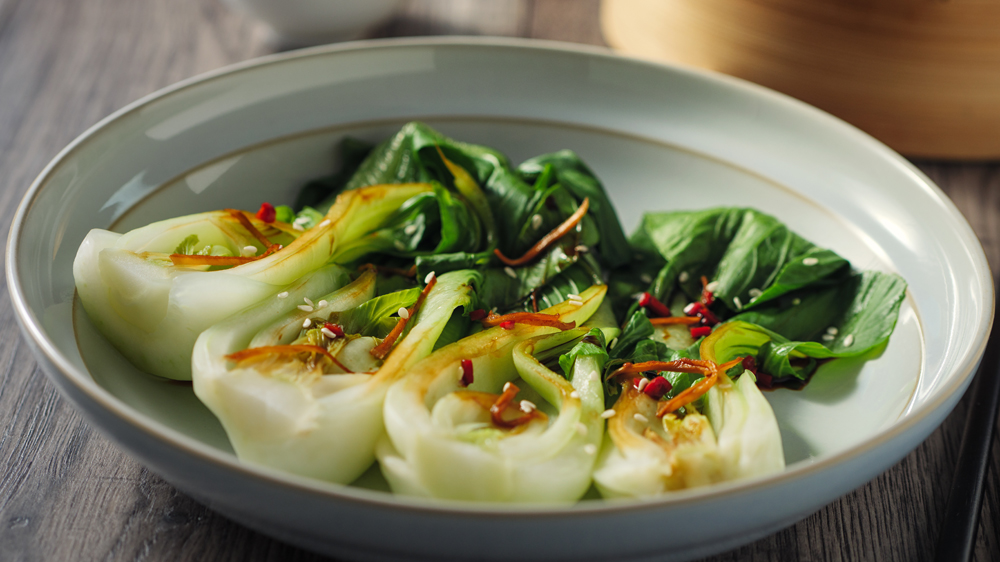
(640, 174)
(658, 138)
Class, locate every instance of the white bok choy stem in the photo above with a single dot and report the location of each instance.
(314, 423)
(744, 423)
(152, 310)
(442, 440)
(736, 437)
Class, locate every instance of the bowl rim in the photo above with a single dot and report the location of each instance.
(202, 452)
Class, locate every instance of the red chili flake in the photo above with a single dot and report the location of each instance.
(644, 299)
(694, 308)
(700, 331)
(764, 380)
(466, 372)
(335, 328)
(267, 212)
(706, 296)
(477, 315)
(507, 324)
(708, 317)
(750, 364)
(657, 388)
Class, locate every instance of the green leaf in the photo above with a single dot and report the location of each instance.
(743, 250)
(284, 213)
(187, 246)
(369, 318)
(868, 307)
(566, 169)
(590, 345)
(308, 218)
(865, 306)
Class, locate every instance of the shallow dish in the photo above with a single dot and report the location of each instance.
(659, 137)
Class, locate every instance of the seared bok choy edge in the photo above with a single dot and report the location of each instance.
(153, 309)
(652, 448)
(483, 419)
(298, 411)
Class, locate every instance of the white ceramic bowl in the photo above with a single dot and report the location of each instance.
(659, 137)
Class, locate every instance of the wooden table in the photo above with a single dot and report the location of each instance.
(68, 494)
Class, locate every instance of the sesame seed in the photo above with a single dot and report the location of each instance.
(574, 394)
(429, 278)
(536, 222)
(612, 344)
(403, 313)
(755, 292)
(249, 251)
(574, 297)
(713, 286)
(738, 303)
(848, 340)
(308, 301)
(642, 383)
(399, 245)
(608, 413)
(306, 323)
(527, 406)
(305, 308)
(646, 278)
(580, 428)
(321, 304)
(829, 337)
(683, 277)
(301, 220)
(506, 386)
(581, 249)
(832, 330)
(796, 301)
(410, 229)
(510, 272)
(641, 418)
(324, 223)
(810, 261)
(283, 295)
(590, 449)
(297, 226)
(328, 333)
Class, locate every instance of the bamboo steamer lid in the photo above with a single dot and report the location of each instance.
(923, 76)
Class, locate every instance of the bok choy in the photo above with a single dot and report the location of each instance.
(300, 386)
(485, 331)
(485, 419)
(153, 290)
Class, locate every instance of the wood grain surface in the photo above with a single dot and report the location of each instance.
(66, 493)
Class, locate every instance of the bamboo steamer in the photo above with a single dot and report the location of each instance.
(923, 76)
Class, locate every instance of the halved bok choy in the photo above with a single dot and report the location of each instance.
(151, 291)
(682, 422)
(486, 418)
(298, 384)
